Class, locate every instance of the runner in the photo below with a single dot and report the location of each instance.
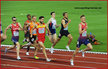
(3, 37)
(82, 38)
(26, 28)
(41, 29)
(52, 27)
(64, 31)
(15, 27)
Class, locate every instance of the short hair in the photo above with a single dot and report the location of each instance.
(82, 16)
(33, 16)
(64, 13)
(52, 13)
(41, 17)
(13, 17)
(28, 15)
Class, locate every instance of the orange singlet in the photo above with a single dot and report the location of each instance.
(31, 27)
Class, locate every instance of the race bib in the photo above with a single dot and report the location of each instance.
(53, 27)
(16, 33)
(34, 31)
(41, 30)
(84, 33)
(66, 28)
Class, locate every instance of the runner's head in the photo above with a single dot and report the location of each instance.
(53, 14)
(82, 18)
(14, 19)
(29, 16)
(34, 18)
(65, 14)
(41, 19)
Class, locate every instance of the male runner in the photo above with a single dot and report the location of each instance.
(64, 31)
(82, 38)
(27, 28)
(41, 29)
(15, 27)
(3, 37)
(52, 27)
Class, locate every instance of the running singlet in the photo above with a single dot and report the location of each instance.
(66, 21)
(14, 29)
(84, 34)
(41, 31)
(53, 23)
(31, 27)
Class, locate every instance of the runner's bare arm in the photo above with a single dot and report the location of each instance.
(65, 25)
(80, 30)
(25, 27)
(57, 25)
(20, 27)
(31, 32)
(8, 27)
(47, 29)
(48, 22)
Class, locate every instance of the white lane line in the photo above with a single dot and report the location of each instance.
(65, 55)
(17, 66)
(47, 63)
(105, 53)
(65, 60)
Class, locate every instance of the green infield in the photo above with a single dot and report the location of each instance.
(96, 19)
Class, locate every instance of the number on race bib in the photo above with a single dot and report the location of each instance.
(84, 33)
(16, 33)
(34, 32)
(41, 30)
(53, 27)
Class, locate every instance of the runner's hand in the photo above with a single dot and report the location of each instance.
(69, 21)
(4, 36)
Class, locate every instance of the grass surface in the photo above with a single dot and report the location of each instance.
(96, 19)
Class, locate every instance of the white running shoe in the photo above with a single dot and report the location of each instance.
(52, 50)
(83, 53)
(18, 58)
(67, 47)
(72, 62)
(48, 60)
(24, 40)
(29, 43)
(5, 50)
(27, 53)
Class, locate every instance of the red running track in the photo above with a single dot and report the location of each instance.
(60, 59)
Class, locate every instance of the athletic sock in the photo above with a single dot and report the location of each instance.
(71, 62)
(27, 53)
(48, 60)
(18, 58)
(52, 49)
(68, 48)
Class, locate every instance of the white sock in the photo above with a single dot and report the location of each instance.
(72, 62)
(68, 48)
(18, 57)
(52, 49)
(27, 53)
